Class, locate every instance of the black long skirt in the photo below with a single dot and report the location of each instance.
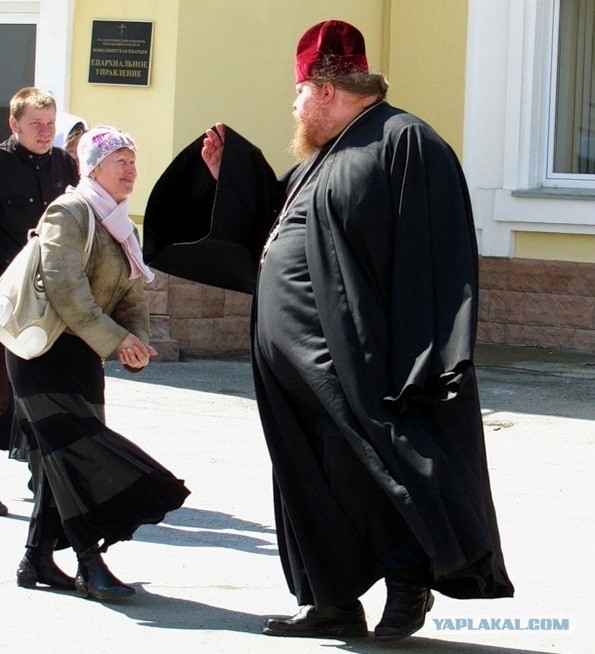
(92, 485)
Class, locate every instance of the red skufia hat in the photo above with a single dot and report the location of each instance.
(331, 37)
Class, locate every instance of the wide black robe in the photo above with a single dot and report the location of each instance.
(362, 352)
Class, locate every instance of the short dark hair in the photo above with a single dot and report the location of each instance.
(30, 96)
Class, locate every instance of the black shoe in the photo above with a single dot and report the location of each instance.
(95, 581)
(3, 509)
(309, 622)
(38, 567)
(405, 611)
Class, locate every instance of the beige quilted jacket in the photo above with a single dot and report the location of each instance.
(100, 304)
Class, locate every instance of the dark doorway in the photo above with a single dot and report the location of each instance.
(17, 54)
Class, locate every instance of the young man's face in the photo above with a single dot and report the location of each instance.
(35, 129)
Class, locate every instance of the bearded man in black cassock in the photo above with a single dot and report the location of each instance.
(363, 328)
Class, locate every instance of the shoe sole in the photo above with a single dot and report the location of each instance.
(105, 598)
(338, 631)
(42, 585)
(26, 584)
(85, 592)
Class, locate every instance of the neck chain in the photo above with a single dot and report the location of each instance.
(308, 174)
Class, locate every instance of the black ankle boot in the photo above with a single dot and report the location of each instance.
(94, 579)
(38, 567)
(405, 610)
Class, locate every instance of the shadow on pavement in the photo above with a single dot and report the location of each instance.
(188, 527)
(227, 376)
(162, 612)
(534, 393)
(414, 645)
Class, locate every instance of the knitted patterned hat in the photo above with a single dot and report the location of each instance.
(97, 143)
(341, 40)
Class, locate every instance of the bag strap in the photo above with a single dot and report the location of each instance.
(90, 234)
(90, 231)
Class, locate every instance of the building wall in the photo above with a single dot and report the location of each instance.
(146, 113)
(538, 303)
(240, 70)
(214, 60)
(427, 63)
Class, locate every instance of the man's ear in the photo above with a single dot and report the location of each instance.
(328, 91)
(12, 123)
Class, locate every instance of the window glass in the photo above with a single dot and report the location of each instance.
(574, 131)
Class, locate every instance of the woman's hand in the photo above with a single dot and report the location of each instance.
(212, 149)
(134, 353)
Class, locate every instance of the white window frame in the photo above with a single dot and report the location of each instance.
(507, 123)
(54, 19)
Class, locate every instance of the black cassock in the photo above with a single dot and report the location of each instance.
(363, 329)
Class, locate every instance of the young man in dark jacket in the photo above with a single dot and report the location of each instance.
(32, 174)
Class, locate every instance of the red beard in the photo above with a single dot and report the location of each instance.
(311, 131)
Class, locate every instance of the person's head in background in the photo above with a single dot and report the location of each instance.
(107, 156)
(32, 119)
(72, 141)
(69, 129)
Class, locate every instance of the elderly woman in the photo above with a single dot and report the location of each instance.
(93, 487)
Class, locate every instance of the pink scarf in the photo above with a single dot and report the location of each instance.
(114, 217)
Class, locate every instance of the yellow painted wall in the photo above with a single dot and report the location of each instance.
(236, 64)
(232, 61)
(555, 247)
(146, 113)
(213, 60)
(427, 63)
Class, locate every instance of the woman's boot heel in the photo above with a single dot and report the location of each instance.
(38, 567)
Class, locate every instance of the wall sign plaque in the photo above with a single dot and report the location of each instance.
(121, 52)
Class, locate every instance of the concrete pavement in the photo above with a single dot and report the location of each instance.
(209, 575)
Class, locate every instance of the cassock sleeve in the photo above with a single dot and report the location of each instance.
(212, 232)
(435, 279)
(393, 261)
